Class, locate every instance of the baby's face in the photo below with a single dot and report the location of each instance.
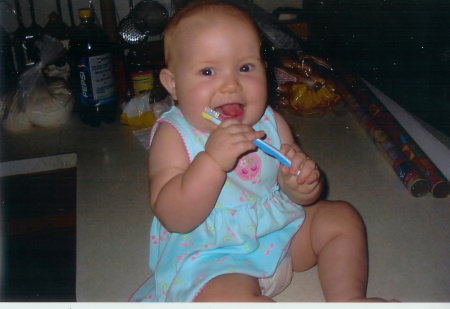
(217, 64)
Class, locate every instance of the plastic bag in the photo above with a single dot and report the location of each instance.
(139, 113)
(53, 107)
(305, 84)
(35, 101)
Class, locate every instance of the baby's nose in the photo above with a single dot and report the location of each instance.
(231, 83)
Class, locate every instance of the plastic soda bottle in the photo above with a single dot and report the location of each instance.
(92, 72)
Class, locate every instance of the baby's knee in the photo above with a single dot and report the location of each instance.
(343, 215)
(350, 217)
(343, 207)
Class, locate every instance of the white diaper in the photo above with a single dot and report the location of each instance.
(282, 277)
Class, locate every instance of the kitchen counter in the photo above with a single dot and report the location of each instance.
(112, 202)
(408, 236)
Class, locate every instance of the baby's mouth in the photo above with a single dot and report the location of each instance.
(230, 110)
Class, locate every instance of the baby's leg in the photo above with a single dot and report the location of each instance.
(232, 288)
(333, 237)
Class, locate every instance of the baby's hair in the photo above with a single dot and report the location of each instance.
(202, 6)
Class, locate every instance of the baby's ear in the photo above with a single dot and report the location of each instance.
(168, 81)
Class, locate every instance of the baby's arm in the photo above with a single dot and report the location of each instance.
(305, 188)
(182, 194)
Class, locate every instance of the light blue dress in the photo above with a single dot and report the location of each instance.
(248, 231)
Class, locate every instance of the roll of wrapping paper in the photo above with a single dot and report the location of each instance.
(404, 169)
(437, 183)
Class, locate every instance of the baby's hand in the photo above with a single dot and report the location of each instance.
(303, 176)
(229, 141)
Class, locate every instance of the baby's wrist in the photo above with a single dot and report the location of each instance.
(211, 159)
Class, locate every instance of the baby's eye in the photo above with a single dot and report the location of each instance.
(246, 68)
(207, 72)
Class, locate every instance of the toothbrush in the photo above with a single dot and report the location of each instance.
(213, 116)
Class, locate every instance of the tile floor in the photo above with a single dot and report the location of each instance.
(408, 237)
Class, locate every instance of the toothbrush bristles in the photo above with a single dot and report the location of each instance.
(212, 113)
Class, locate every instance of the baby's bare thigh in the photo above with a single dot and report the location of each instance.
(302, 254)
(323, 221)
(231, 288)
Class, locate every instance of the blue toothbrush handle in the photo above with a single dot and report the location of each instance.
(267, 148)
(270, 150)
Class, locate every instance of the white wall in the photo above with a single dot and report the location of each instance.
(44, 7)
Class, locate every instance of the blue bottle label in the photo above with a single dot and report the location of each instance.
(97, 80)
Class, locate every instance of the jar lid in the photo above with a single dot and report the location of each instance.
(85, 13)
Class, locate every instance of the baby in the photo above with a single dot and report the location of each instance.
(231, 223)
